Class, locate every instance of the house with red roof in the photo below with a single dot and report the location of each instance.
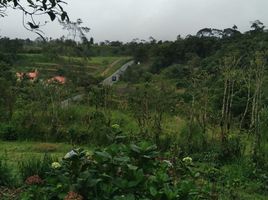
(32, 76)
(57, 79)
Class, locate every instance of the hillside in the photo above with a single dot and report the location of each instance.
(188, 120)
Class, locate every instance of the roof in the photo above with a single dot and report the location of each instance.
(58, 79)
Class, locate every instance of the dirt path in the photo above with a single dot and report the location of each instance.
(110, 67)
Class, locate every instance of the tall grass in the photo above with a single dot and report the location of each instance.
(6, 178)
(35, 166)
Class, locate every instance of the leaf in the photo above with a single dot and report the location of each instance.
(15, 3)
(93, 182)
(151, 148)
(53, 3)
(121, 183)
(122, 159)
(51, 15)
(132, 167)
(153, 191)
(132, 184)
(44, 5)
(135, 148)
(32, 25)
(64, 16)
(104, 155)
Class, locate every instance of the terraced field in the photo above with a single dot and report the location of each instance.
(95, 66)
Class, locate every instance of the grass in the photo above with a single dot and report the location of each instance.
(17, 151)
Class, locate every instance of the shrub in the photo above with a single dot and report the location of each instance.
(99, 129)
(191, 139)
(232, 149)
(78, 135)
(120, 172)
(8, 132)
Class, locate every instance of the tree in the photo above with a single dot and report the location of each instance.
(75, 29)
(148, 104)
(228, 32)
(235, 27)
(205, 32)
(258, 66)
(229, 74)
(7, 92)
(32, 8)
(101, 97)
(257, 26)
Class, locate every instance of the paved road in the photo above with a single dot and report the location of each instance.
(117, 74)
(107, 81)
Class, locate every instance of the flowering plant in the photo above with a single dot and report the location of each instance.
(187, 160)
(56, 165)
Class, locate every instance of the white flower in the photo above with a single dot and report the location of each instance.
(70, 154)
(187, 160)
(56, 165)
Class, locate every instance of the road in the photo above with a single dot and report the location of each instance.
(117, 74)
(107, 81)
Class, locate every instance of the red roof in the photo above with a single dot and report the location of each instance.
(58, 79)
(32, 75)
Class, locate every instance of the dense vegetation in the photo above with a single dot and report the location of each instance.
(187, 121)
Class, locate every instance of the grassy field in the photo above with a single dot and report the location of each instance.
(17, 151)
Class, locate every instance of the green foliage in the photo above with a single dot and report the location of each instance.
(217, 115)
(233, 148)
(6, 177)
(99, 128)
(192, 139)
(118, 172)
(8, 132)
(148, 104)
(35, 166)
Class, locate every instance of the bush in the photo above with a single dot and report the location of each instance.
(232, 149)
(78, 135)
(99, 130)
(8, 132)
(192, 140)
(120, 172)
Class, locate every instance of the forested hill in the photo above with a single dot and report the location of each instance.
(207, 42)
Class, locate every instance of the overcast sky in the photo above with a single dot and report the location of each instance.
(125, 20)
